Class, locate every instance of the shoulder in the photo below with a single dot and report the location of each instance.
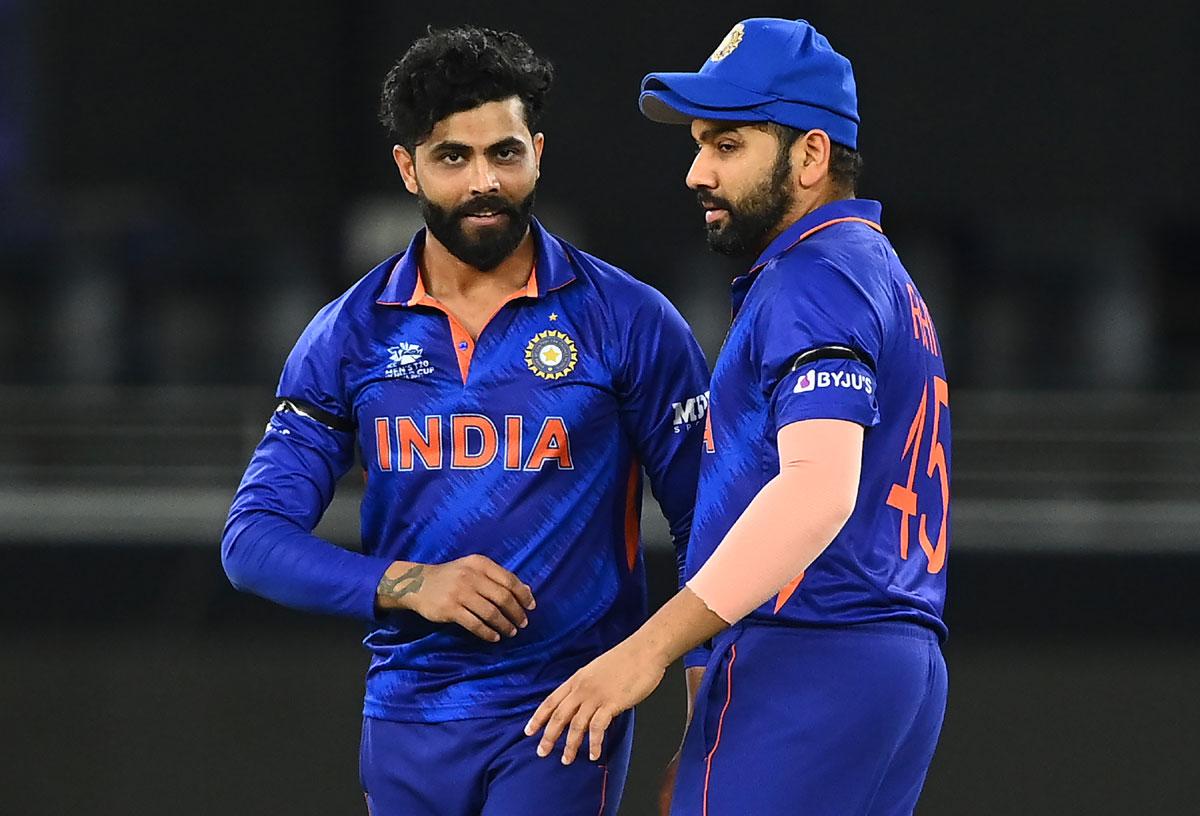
(621, 294)
(352, 311)
(835, 268)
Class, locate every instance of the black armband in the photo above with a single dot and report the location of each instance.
(294, 406)
(830, 353)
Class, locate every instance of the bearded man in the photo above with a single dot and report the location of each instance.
(506, 391)
(818, 553)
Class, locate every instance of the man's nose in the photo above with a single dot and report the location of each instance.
(483, 177)
(700, 175)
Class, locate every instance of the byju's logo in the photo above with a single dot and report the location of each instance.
(406, 361)
(811, 380)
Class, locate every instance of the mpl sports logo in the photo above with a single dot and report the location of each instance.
(406, 361)
(690, 411)
(812, 379)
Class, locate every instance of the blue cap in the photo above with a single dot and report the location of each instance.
(765, 70)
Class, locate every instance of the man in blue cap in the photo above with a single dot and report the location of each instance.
(819, 538)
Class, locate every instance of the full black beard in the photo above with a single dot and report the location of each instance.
(755, 216)
(489, 247)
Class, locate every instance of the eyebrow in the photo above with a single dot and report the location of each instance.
(460, 147)
(710, 133)
(506, 144)
(457, 147)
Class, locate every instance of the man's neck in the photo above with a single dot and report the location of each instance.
(447, 277)
(802, 207)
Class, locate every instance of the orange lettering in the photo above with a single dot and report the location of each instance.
(512, 442)
(904, 497)
(462, 457)
(937, 462)
(427, 446)
(916, 312)
(552, 444)
(383, 443)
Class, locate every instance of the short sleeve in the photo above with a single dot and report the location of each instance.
(819, 336)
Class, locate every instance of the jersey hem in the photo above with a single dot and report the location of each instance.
(493, 709)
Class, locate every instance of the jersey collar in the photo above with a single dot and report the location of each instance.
(861, 210)
(552, 269)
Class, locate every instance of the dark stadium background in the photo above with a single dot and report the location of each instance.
(182, 184)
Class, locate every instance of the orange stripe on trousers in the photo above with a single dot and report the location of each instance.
(720, 724)
(603, 791)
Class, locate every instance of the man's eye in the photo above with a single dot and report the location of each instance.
(506, 154)
(452, 158)
(726, 147)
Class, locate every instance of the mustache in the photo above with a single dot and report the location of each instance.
(489, 204)
(709, 200)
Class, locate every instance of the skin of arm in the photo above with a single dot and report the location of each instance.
(788, 524)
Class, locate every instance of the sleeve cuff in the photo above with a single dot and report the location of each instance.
(372, 573)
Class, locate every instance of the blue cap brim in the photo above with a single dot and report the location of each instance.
(678, 98)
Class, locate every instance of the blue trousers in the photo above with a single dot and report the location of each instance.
(814, 721)
(486, 767)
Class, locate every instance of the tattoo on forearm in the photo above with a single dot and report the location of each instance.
(406, 584)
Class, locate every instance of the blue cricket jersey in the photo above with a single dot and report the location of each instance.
(526, 446)
(829, 325)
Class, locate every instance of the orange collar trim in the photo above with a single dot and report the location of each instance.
(421, 295)
(817, 229)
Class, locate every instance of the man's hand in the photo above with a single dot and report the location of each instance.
(474, 592)
(614, 682)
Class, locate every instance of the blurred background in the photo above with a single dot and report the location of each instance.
(183, 184)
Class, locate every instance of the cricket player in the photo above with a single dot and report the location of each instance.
(505, 391)
(818, 551)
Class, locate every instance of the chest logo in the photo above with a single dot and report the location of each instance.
(407, 361)
(551, 355)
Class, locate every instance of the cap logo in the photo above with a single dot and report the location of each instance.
(728, 45)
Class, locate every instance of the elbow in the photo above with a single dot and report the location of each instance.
(233, 559)
(842, 508)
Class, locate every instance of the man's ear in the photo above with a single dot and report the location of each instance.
(810, 157)
(406, 163)
(539, 143)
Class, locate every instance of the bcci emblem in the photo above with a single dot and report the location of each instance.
(551, 355)
(728, 45)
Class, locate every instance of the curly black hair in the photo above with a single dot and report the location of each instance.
(457, 69)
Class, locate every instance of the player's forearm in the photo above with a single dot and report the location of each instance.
(268, 555)
(789, 523)
(680, 625)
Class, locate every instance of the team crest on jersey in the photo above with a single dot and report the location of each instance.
(728, 45)
(551, 355)
(407, 361)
